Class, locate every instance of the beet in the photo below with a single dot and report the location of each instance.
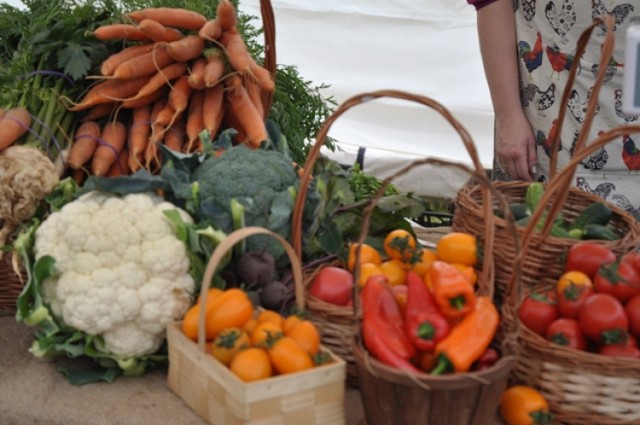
(255, 269)
(274, 295)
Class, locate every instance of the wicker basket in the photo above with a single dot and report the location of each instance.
(10, 285)
(542, 262)
(314, 396)
(338, 322)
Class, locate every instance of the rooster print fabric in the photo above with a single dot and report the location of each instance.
(548, 32)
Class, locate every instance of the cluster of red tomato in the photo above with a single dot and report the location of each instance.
(254, 343)
(595, 305)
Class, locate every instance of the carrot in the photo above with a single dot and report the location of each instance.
(157, 132)
(230, 120)
(79, 176)
(155, 31)
(109, 90)
(112, 141)
(127, 32)
(262, 76)
(211, 30)
(248, 116)
(185, 49)
(226, 15)
(237, 51)
(194, 122)
(84, 144)
(174, 137)
(196, 76)
(214, 70)
(111, 63)
(255, 94)
(171, 17)
(15, 123)
(159, 79)
(139, 130)
(213, 109)
(145, 100)
(121, 166)
(179, 96)
(144, 64)
(99, 111)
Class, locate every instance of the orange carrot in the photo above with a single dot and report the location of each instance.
(196, 76)
(145, 100)
(79, 176)
(174, 137)
(127, 32)
(237, 51)
(121, 166)
(226, 15)
(15, 123)
(170, 17)
(214, 70)
(155, 31)
(179, 97)
(261, 76)
(112, 141)
(185, 49)
(159, 79)
(84, 144)
(213, 109)
(139, 130)
(109, 90)
(211, 30)
(248, 116)
(230, 120)
(99, 111)
(159, 112)
(144, 64)
(111, 63)
(255, 94)
(194, 124)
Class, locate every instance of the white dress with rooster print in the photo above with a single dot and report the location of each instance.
(548, 32)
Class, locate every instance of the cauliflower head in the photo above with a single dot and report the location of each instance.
(122, 272)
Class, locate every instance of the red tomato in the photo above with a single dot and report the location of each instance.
(633, 313)
(620, 350)
(632, 257)
(603, 319)
(587, 257)
(618, 279)
(333, 285)
(567, 332)
(571, 299)
(538, 311)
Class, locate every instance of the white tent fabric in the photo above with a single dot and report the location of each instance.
(426, 47)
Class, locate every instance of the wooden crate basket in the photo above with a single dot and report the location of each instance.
(310, 397)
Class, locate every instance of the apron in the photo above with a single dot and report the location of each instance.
(547, 36)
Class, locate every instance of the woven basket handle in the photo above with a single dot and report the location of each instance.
(558, 185)
(219, 253)
(296, 225)
(269, 26)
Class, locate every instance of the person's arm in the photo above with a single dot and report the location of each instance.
(515, 147)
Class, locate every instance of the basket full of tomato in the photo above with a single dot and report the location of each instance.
(577, 339)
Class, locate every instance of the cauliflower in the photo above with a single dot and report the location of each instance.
(121, 272)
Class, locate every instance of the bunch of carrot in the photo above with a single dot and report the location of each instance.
(179, 75)
(14, 123)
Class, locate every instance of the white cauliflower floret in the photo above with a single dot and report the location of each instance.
(123, 274)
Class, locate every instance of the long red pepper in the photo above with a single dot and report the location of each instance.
(424, 324)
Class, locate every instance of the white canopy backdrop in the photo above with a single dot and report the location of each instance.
(426, 47)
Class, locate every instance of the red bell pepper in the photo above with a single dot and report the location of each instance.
(424, 324)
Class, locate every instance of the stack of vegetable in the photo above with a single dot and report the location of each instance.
(595, 305)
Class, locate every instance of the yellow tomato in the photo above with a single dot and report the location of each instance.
(368, 254)
(252, 364)
(468, 271)
(228, 343)
(524, 405)
(458, 247)
(399, 244)
(573, 277)
(395, 272)
(367, 270)
(423, 261)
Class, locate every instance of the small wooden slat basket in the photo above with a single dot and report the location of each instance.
(314, 396)
(10, 285)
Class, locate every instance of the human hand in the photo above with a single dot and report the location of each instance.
(515, 146)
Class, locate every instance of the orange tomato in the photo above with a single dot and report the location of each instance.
(524, 405)
(250, 325)
(212, 293)
(288, 357)
(574, 277)
(251, 364)
(367, 270)
(395, 272)
(399, 244)
(190, 319)
(306, 335)
(265, 331)
(421, 264)
(270, 316)
(232, 308)
(290, 322)
(458, 247)
(228, 343)
(368, 254)
(468, 271)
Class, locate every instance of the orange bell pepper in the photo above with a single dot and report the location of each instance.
(452, 290)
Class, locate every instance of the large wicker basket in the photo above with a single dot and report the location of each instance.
(543, 262)
(314, 396)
